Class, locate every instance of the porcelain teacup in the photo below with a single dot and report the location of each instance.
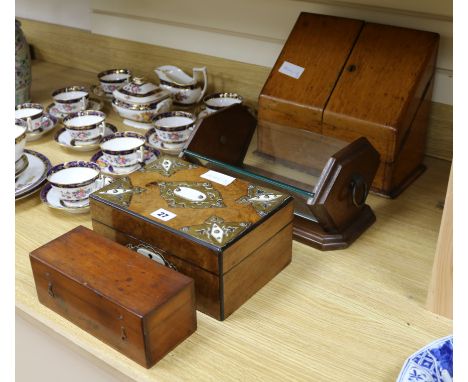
(124, 149)
(20, 138)
(113, 79)
(218, 101)
(85, 126)
(32, 114)
(174, 128)
(71, 99)
(75, 181)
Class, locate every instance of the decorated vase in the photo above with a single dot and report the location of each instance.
(22, 67)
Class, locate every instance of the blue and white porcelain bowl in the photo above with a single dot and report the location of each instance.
(75, 181)
(432, 363)
(124, 149)
(85, 126)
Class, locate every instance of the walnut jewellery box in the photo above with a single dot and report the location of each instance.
(231, 236)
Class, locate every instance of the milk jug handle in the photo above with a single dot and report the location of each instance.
(205, 80)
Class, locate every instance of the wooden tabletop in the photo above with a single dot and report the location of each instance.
(349, 315)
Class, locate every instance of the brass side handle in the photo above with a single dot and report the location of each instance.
(359, 188)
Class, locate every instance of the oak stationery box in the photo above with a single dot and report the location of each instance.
(139, 307)
(229, 235)
(346, 78)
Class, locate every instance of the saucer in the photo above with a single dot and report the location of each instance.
(34, 175)
(154, 142)
(21, 165)
(63, 138)
(51, 197)
(93, 104)
(150, 156)
(97, 91)
(47, 126)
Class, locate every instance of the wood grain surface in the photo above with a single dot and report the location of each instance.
(133, 304)
(262, 240)
(440, 295)
(320, 45)
(91, 52)
(350, 315)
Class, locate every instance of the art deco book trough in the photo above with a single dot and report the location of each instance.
(330, 187)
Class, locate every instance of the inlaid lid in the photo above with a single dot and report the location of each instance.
(199, 204)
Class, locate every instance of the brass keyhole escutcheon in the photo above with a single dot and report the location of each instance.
(123, 334)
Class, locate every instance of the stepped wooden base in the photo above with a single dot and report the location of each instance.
(313, 234)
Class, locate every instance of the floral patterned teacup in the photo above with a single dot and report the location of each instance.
(123, 149)
(32, 114)
(174, 128)
(71, 99)
(218, 101)
(113, 79)
(86, 126)
(75, 180)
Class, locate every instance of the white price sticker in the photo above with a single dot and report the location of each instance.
(163, 214)
(218, 177)
(291, 70)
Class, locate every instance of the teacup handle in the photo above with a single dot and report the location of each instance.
(164, 105)
(141, 154)
(102, 128)
(29, 123)
(202, 70)
(101, 182)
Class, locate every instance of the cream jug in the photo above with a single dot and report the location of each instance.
(185, 90)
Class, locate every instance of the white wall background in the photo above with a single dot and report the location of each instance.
(251, 31)
(73, 13)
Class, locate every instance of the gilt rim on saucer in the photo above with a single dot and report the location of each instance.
(100, 154)
(87, 147)
(37, 184)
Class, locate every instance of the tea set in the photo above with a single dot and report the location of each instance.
(141, 104)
